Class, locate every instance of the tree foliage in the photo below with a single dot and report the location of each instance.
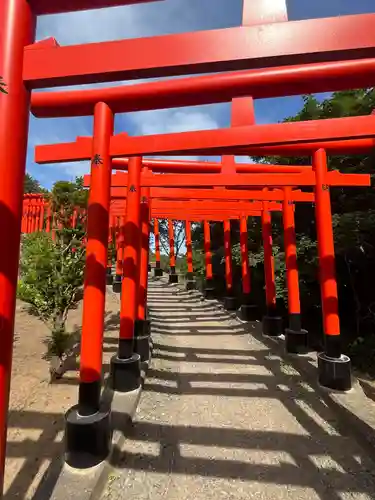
(179, 236)
(32, 186)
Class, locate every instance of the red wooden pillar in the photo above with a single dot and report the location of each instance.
(245, 268)
(230, 302)
(173, 277)
(88, 418)
(120, 242)
(41, 215)
(33, 215)
(17, 30)
(145, 228)
(125, 367)
(37, 214)
(248, 310)
(228, 258)
(209, 290)
(158, 270)
(28, 216)
(295, 337)
(48, 218)
(142, 324)
(25, 209)
(334, 368)
(272, 323)
(74, 219)
(190, 283)
(114, 231)
(53, 225)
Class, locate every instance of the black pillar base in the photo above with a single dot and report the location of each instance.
(173, 278)
(125, 373)
(334, 373)
(230, 303)
(295, 341)
(158, 272)
(209, 290)
(117, 283)
(191, 285)
(142, 340)
(209, 293)
(88, 439)
(249, 312)
(109, 277)
(147, 327)
(272, 326)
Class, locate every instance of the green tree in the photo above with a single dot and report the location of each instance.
(32, 186)
(67, 200)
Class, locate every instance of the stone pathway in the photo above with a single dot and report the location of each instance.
(37, 408)
(221, 417)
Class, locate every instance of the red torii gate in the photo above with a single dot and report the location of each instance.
(50, 65)
(321, 180)
(271, 323)
(305, 177)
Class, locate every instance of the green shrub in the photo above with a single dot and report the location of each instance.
(51, 276)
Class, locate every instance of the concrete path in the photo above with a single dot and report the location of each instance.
(222, 418)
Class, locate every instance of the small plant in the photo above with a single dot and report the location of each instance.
(51, 279)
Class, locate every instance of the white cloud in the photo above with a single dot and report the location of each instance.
(69, 170)
(171, 120)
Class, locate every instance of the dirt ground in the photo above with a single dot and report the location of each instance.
(36, 416)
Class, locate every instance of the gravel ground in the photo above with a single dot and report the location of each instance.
(221, 417)
(36, 417)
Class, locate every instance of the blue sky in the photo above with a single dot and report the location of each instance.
(169, 16)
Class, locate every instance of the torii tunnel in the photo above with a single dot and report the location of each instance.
(267, 56)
